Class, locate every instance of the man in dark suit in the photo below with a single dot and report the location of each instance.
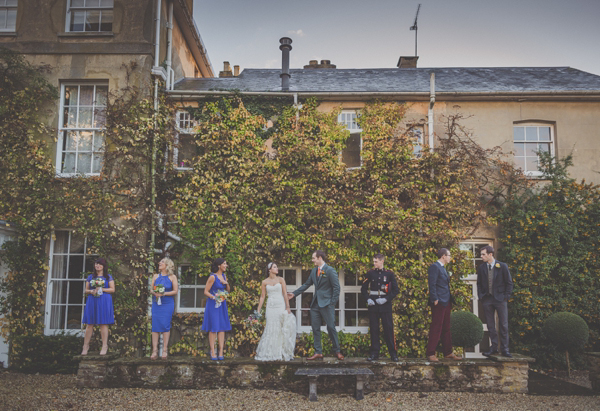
(494, 286)
(383, 289)
(322, 306)
(440, 301)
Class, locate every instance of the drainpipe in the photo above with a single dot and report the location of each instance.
(169, 46)
(430, 112)
(157, 35)
(285, 47)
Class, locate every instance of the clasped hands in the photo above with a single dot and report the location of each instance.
(379, 301)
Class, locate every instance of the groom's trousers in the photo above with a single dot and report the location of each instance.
(317, 316)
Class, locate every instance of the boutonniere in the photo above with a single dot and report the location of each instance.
(497, 265)
(449, 273)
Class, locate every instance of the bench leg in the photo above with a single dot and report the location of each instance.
(312, 388)
(360, 385)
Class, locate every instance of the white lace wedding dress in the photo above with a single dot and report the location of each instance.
(279, 337)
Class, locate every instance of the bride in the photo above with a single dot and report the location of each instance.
(279, 337)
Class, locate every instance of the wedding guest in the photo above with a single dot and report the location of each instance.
(162, 313)
(216, 317)
(99, 305)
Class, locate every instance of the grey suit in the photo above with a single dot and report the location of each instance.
(496, 300)
(322, 306)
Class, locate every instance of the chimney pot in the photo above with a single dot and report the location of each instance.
(236, 70)
(285, 47)
(407, 62)
(226, 70)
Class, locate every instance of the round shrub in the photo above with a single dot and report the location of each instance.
(467, 329)
(566, 331)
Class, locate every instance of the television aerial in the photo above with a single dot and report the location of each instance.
(415, 28)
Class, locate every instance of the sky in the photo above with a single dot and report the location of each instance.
(375, 33)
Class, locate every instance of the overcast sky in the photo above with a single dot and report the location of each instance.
(373, 34)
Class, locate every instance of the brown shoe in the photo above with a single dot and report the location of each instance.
(339, 355)
(453, 357)
(432, 358)
(316, 357)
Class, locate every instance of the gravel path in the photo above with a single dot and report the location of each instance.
(58, 392)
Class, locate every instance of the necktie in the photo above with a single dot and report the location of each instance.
(490, 278)
(319, 272)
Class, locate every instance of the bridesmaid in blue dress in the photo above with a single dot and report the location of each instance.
(98, 308)
(163, 313)
(216, 319)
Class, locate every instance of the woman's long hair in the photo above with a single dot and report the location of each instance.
(101, 261)
(169, 265)
(269, 268)
(215, 264)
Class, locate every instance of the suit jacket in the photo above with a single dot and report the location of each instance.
(439, 284)
(502, 285)
(327, 287)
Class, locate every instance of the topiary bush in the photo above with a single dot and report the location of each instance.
(46, 354)
(467, 329)
(566, 331)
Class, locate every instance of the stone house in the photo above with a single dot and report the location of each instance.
(523, 110)
(88, 43)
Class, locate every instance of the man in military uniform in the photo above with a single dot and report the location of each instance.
(378, 289)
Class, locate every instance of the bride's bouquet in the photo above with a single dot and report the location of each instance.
(159, 289)
(220, 297)
(97, 283)
(253, 321)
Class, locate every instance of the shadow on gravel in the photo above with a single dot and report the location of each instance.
(540, 384)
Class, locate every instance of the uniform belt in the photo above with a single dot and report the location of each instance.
(378, 294)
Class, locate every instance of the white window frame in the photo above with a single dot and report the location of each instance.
(5, 8)
(101, 9)
(51, 282)
(538, 125)
(62, 129)
(341, 304)
(349, 119)
(471, 279)
(182, 287)
(184, 124)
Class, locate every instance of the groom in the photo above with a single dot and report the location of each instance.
(322, 307)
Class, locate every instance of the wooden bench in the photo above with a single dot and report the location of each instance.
(314, 373)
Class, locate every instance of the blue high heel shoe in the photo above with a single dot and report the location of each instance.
(214, 358)
(221, 358)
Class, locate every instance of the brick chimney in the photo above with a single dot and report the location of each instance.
(226, 70)
(236, 71)
(324, 64)
(408, 62)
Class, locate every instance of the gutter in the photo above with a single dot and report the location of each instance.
(192, 35)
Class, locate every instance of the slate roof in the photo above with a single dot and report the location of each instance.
(405, 80)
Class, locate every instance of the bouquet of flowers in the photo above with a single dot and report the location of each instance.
(97, 283)
(159, 289)
(220, 297)
(253, 321)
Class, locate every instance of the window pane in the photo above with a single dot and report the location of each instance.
(89, 263)
(101, 95)
(86, 97)
(97, 163)
(84, 163)
(305, 275)
(544, 133)
(350, 300)
(202, 280)
(75, 266)
(74, 317)
(59, 266)
(98, 141)
(77, 244)
(187, 277)
(293, 303)
(519, 133)
(99, 117)
(187, 297)
(200, 298)
(77, 3)
(92, 3)
(306, 299)
(59, 292)
(466, 247)
(519, 149)
(68, 163)
(106, 20)
(77, 21)
(61, 242)
(349, 277)
(350, 318)
(543, 148)
(71, 93)
(106, 3)
(531, 150)
(362, 303)
(57, 317)
(363, 318)
(92, 20)
(70, 117)
(305, 321)
(290, 277)
(531, 133)
(11, 19)
(520, 162)
(2, 18)
(11, 3)
(531, 163)
(76, 292)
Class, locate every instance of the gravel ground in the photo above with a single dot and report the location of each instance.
(58, 392)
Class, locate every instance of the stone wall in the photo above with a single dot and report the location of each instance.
(594, 367)
(497, 375)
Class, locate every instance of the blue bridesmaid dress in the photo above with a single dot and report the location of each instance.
(99, 310)
(216, 319)
(162, 314)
